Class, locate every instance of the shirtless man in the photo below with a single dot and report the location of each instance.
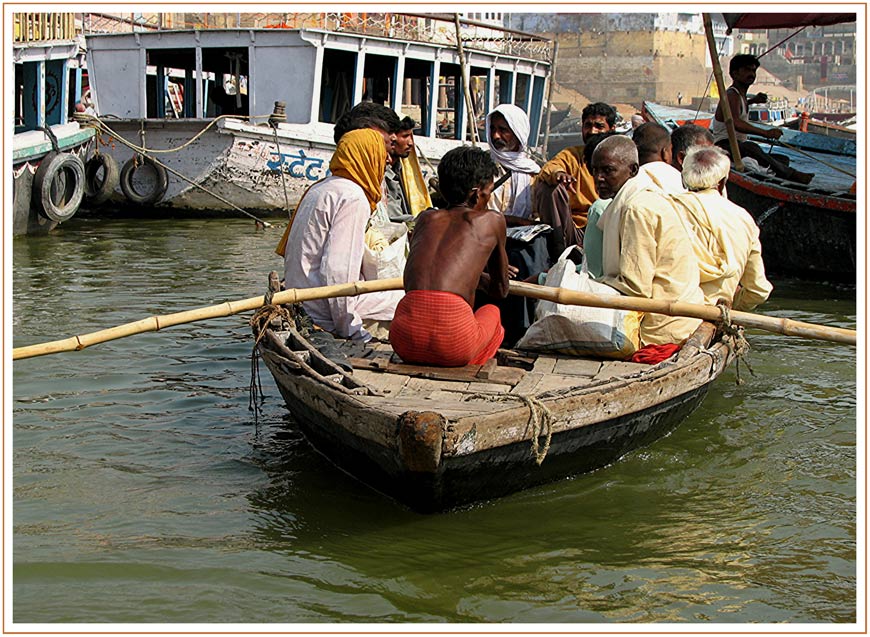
(743, 69)
(454, 252)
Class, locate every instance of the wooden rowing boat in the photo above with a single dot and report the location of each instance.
(437, 438)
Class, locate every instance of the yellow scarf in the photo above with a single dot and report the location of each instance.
(361, 157)
(414, 184)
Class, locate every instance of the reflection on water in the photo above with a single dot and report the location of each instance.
(143, 492)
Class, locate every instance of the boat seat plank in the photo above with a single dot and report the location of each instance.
(389, 384)
(549, 382)
(491, 373)
(619, 368)
(528, 384)
(416, 384)
(545, 364)
(578, 367)
(445, 405)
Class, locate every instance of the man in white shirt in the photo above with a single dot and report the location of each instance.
(508, 129)
(647, 251)
(725, 236)
(324, 243)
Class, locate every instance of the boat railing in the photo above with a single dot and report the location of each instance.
(434, 28)
(30, 28)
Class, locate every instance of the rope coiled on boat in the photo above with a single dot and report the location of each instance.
(540, 418)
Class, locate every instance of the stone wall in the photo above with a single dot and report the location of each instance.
(623, 58)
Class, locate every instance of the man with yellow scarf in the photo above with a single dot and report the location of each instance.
(324, 244)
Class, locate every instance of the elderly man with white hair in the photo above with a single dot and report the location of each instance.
(647, 251)
(508, 129)
(724, 235)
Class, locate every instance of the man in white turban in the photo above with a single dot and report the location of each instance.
(508, 129)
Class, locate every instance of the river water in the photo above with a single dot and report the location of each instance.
(143, 492)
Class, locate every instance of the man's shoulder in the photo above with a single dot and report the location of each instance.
(571, 152)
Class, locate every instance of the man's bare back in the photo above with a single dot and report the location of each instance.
(451, 248)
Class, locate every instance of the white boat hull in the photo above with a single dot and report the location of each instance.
(236, 165)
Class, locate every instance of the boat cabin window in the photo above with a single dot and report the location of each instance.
(379, 77)
(29, 93)
(449, 101)
(521, 97)
(336, 85)
(417, 93)
(171, 82)
(503, 86)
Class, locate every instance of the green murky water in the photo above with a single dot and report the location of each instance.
(144, 493)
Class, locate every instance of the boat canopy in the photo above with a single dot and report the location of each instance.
(318, 74)
(784, 20)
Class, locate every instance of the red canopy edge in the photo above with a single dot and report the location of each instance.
(784, 20)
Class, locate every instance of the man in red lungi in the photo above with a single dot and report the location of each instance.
(454, 252)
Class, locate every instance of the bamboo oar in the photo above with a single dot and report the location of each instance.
(786, 327)
(711, 313)
(154, 323)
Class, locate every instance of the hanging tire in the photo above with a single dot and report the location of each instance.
(143, 181)
(59, 185)
(101, 178)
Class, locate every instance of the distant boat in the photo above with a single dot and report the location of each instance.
(48, 150)
(243, 117)
(815, 123)
(806, 230)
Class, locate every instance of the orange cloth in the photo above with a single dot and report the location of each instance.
(432, 327)
(361, 157)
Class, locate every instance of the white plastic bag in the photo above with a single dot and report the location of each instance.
(579, 330)
(386, 249)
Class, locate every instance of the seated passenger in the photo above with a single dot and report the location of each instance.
(647, 251)
(508, 128)
(324, 243)
(454, 252)
(653, 143)
(564, 189)
(727, 243)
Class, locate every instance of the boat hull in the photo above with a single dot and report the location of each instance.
(496, 472)
(29, 149)
(803, 234)
(438, 456)
(232, 165)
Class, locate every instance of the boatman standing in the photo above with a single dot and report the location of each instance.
(454, 251)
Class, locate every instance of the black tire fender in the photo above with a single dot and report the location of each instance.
(156, 187)
(100, 186)
(59, 185)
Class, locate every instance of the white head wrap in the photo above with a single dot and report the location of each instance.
(518, 162)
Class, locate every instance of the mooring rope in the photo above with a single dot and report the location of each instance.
(260, 321)
(734, 336)
(146, 152)
(540, 418)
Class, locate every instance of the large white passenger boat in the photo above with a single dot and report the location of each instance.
(213, 120)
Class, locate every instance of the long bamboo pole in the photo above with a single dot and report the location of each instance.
(466, 80)
(723, 94)
(154, 323)
(784, 326)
